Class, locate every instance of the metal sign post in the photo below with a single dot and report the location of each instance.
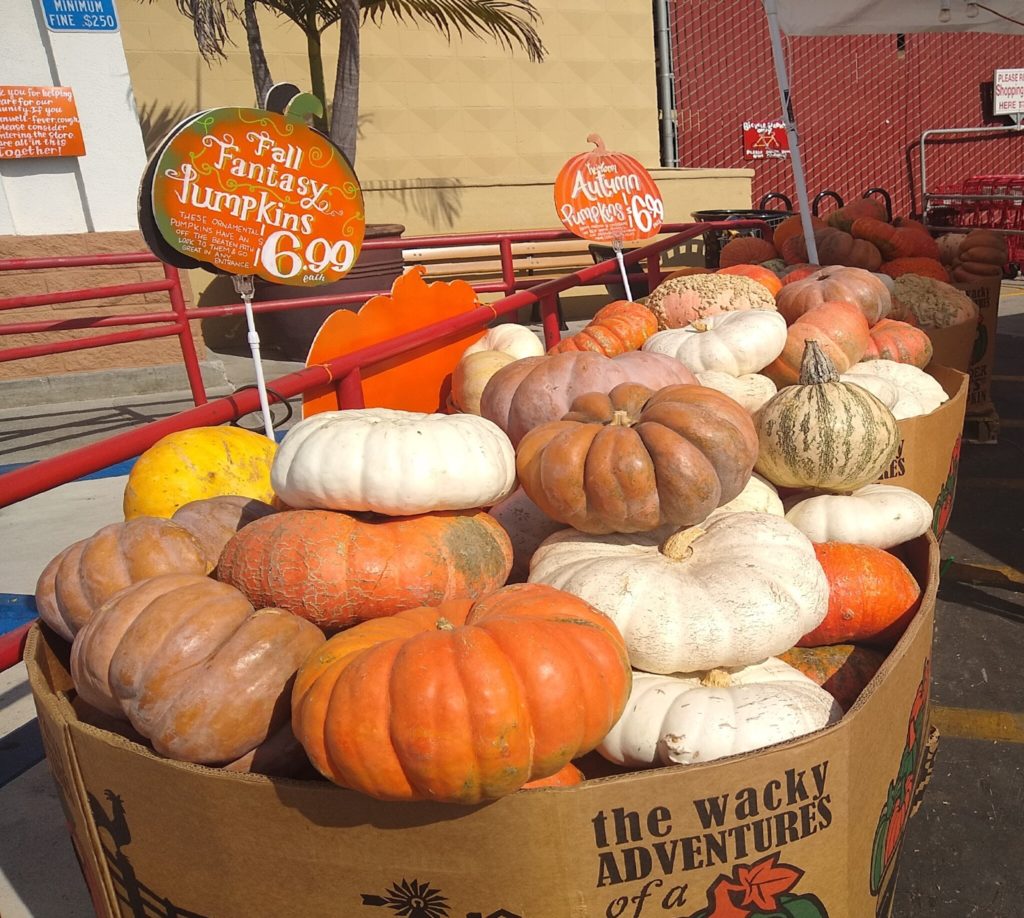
(617, 246)
(245, 288)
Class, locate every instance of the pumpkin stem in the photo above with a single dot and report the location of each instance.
(815, 366)
(443, 624)
(620, 418)
(598, 142)
(716, 678)
(679, 545)
(701, 325)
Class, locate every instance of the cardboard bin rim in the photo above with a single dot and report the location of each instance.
(58, 700)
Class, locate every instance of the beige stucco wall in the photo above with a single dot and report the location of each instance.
(430, 109)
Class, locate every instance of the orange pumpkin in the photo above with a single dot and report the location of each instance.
(463, 702)
(910, 223)
(793, 226)
(798, 272)
(925, 267)
(197, 671)
(840, 330)
(569, 776)
(87, 573)
(616, 328)
(835, 284)
(634, 459)
(894, 242)
(899, 341)
(767, 278)
(335, 569)
(842, 670)
(872, 596)
(844, 217)
(746, 250)
(834, 248)
(981, 257)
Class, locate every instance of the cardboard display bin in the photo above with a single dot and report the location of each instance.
(928, 457)
(811, 828)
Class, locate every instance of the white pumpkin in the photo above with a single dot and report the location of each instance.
(879, 515)
(515, 340)
(471, 374)
(745, 588)
(890, 284)
(527, 526)
(393, 462)
(751, 390)
(737, 343)
(758, 496)
(918, 392)
(700, 717)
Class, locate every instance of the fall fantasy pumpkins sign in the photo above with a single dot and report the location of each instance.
(247, 191)
(608, 197)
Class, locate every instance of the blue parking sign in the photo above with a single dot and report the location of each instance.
(80, 15)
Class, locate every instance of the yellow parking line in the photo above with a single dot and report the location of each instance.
(970, 723)
(997, 575)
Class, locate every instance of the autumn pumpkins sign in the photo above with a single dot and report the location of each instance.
(245, 191)
(608, 197)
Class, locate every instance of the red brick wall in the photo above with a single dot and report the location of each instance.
(158, 351)
(861, 102)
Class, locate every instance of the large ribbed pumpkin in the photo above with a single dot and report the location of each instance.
(634, 459)
(679, 301)
(615, 329)
(335, 569)
(835, 284)
(214, 520)
(840, 330)
(824, 433)
(530, 392)
(898, 341)
(462, 702)
(87, 573)
(197, 670)
(201, 462)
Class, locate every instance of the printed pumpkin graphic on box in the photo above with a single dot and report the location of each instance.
(761, 890)
(246, 191)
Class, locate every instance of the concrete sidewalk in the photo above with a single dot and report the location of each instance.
(965, 847)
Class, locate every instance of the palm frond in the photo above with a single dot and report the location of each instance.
(209, 24)
(308, 15)
(511, 23)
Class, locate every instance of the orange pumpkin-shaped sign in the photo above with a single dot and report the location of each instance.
(247, 191)
(608, 197)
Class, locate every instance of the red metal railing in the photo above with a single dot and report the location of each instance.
(176, 322)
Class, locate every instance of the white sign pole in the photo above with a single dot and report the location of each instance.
(245, 288)
(617, 246)
(771, 10)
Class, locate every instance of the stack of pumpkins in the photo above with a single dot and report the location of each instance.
(349, 608)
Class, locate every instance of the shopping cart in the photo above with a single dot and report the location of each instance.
(994, 202)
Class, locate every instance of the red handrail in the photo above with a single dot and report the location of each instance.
(49, 473)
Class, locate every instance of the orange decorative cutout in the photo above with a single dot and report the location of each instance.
(608, 197)
(419, 381)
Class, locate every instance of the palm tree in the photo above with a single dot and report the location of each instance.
(510, 23)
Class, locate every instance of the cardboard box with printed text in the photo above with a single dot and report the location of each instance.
(811, 828)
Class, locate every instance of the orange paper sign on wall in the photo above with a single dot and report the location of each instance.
(608, 197)
(38, 122)
(248, 191)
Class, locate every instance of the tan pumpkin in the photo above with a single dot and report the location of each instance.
(840, 330)
(933, 303)
(471, 375)
(530, 392)
(216, 519)
(898, 341)
(746, 250)
(824, 433)
(981, 250)
(682, 300)
(86, 574)
(835, 284)
(634, 460)
(197, 670)
(949, 247)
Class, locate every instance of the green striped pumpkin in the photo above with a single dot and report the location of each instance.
(824, 433)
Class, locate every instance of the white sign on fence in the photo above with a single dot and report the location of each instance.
(1008, 92)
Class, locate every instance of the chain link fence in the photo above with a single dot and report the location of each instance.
(861, 104)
